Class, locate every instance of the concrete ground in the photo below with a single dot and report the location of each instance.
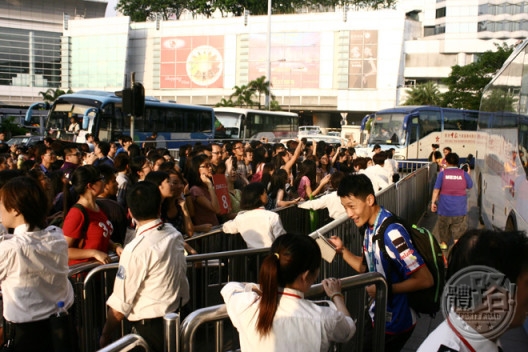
(514, 340)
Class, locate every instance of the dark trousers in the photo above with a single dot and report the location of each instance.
(55, 334)
(152, 331)
(28, 337)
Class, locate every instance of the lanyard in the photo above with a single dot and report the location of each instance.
(369, 244)
(459, 335)
(150, 228)
(290, 294)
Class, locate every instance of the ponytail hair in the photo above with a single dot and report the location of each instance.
(290, 256)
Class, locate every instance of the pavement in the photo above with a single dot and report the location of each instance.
(514, 340)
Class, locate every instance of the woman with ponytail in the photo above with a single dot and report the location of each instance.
(274, 316)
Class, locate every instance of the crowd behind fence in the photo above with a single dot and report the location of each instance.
(225, 257)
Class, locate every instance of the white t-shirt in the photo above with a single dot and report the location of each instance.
(258, 227)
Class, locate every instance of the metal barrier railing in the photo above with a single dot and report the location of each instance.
(208, 272)
(127, 343)
(218, 315)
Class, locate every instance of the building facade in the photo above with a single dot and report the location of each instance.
(323, 65)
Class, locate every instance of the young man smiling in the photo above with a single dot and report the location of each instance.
(408, 271)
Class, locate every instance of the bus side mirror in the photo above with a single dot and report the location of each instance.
(86, 117)
(29, 111)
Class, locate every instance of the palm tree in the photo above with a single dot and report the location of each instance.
(52, 94)
(261, 87)
(225, 102)
(243, 95)
(424, 94)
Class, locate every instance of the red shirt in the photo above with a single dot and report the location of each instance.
(97, 235)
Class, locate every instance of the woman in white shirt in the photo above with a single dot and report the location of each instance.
(34, 274)
(274, 316)
(257, 226)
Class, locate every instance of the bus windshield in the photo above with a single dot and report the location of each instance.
(387, 129)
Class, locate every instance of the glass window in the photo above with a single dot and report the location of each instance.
(441, 12)
(16, 63)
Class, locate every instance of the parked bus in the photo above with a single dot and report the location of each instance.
(32, 118)
(502, 150)
(248, 124)
(411, 130)
(101, 113)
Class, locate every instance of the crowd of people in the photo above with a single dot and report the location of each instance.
(140, 203)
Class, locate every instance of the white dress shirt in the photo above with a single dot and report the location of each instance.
(298, 325)
(331, 201)
(444, 338)
(151, 280)
(34, 274)
(258, 227)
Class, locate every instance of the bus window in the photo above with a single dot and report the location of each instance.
(431, 122)
(206, 121)
(453, 120)
(415, 130)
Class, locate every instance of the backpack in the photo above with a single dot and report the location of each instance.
(426, 301)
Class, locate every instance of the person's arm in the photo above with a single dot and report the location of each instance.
(332, 289)
(283, 203)
(113, 321)
(314, 204)
(288, 166)
(434, 199)
(206, 203)
(419, 280)
(356, 262)
(319, 188)
(79, 253)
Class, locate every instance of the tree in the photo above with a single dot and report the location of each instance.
(424, 94)
(243, 96)
(225, 102)
(466, 83)
(261, 87)
(142, 10)
(52, 94)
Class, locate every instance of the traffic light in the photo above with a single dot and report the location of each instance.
(138, 96)
(133, 99)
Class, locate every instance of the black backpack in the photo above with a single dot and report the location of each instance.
(425, 301)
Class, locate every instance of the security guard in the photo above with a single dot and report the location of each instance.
(151, 280)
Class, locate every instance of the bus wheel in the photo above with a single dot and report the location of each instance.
(510, 224)
(479, 200)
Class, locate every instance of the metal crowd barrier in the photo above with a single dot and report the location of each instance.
(127, 343)
(217, 315)
(208, 272)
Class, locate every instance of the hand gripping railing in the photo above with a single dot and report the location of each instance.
(218, 313)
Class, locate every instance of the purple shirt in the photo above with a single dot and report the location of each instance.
(452, 183)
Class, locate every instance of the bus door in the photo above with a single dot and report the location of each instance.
(413, 136)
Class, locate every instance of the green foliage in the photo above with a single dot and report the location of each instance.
(499, 99)
(142, 10)
(52, 94)
(424, 94)
(244, 95)
(466, 83)
(10, 128)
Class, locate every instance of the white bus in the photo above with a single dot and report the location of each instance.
(411, 130)
(248, 124)
(501, 159)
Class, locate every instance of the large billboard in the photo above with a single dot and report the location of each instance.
(363, 59)
(294, 60)
(192, 62)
